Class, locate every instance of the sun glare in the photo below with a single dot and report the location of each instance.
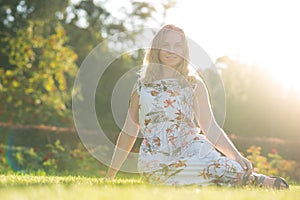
(253, 30)
(289, 79)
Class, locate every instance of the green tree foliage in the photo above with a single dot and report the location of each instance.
(41, 44)
(106, 86)
(35, 87)
(15, 14)
(87, 22)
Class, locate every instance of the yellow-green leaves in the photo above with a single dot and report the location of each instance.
(36, 87)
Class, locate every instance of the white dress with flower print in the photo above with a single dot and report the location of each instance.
(173, 151)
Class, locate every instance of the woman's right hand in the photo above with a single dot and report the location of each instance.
(110, 175)
(108, 178)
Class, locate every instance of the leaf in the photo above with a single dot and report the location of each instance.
(176, 150)
(15, 83)
(176, 172)
(9, 73)
(49, 85)
(164, 153)
(29, 90)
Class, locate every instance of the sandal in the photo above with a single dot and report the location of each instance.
(278, 181)
(260, 179)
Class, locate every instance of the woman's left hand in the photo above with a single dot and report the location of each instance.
(245, 163)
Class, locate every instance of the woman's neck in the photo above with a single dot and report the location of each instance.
(167, 72)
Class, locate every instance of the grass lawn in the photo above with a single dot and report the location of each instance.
(52, 187)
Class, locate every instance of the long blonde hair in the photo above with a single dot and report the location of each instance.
(152, 62)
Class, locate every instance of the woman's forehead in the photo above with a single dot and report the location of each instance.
(172, 36)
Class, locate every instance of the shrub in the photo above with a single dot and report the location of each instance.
(273, 164)
(52, 159)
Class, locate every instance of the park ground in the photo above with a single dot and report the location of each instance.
(23, 187)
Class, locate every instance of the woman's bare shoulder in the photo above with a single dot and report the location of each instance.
(197, 83)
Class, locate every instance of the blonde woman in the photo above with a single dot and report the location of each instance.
(182, 140)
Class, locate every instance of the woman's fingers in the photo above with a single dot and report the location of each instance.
(248, 166)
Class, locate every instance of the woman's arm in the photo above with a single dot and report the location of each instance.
(126, 138)
(213, 132)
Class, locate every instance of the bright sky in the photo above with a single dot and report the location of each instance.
(262, 32)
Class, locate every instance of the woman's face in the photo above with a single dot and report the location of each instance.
(172, 49)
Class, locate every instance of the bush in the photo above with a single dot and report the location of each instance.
(273, 164)
(52, 159)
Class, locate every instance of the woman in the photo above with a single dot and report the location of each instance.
(170, 105)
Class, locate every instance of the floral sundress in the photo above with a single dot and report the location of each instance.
(173, 150)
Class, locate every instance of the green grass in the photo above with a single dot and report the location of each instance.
(23, 187)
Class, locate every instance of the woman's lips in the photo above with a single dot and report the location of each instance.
(171, 57)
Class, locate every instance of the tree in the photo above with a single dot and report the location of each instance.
(41, 44)
(35, 87)
(87, 22)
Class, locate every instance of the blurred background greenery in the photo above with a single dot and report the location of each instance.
(43, 43)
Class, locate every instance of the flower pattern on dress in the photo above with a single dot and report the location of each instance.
(173, 151)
